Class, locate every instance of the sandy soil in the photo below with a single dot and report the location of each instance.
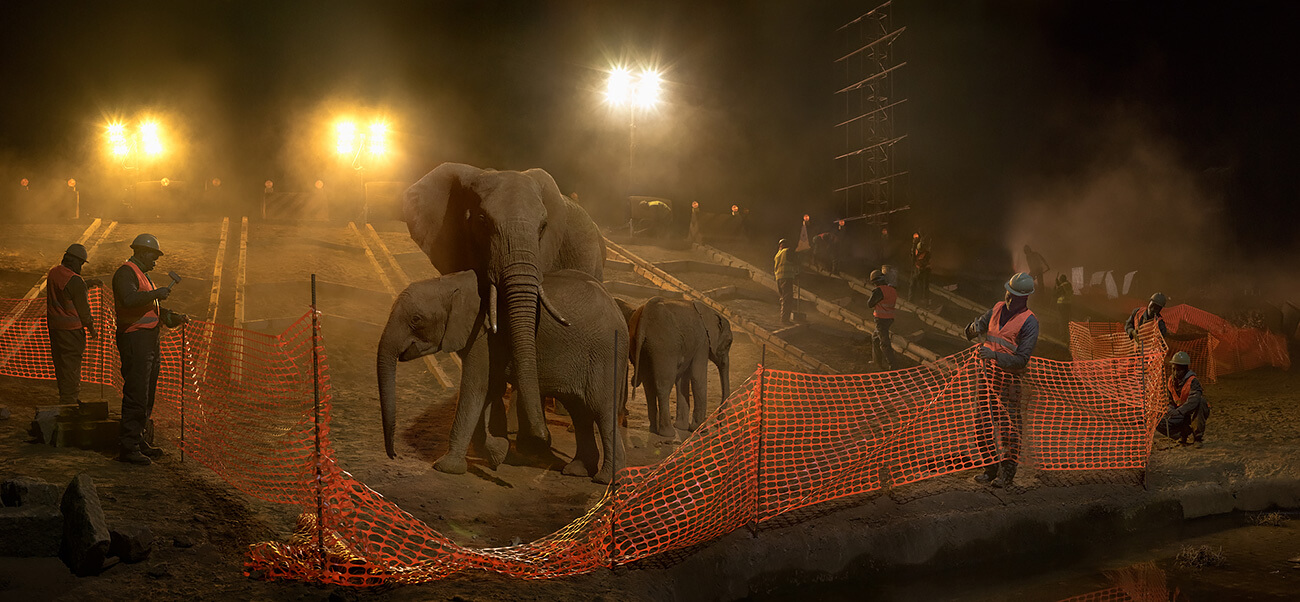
(1254, 421)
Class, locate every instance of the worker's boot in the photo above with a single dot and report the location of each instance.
(990, 473)
(134, 456)
(1006, 473)
(151, 451)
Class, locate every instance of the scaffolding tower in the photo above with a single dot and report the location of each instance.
(869, 169)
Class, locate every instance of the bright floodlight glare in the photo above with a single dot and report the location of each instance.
(117, 139)
(378, 135)
(149, 139)
(618, 89)
(347, 135)
(646, 92)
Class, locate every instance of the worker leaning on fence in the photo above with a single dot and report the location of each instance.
(883, 300)
(1141, 316)
(1011, 333)
(138, 315)
(1188, 409)
(67, 312)
(786, 268)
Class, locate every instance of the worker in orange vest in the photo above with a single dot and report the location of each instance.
(138, 314)
(67, 313)
(883, 301)
(1188, 409)
(1010, 331)
(1151, 312)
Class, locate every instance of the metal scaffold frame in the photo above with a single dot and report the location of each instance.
(869, 166)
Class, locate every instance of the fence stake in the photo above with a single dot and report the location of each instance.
(612, 455)
(185, 354)
(758, 464)
(315, 383)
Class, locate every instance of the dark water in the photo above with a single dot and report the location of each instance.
(1256, 567)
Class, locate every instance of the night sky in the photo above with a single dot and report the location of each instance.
(1018, 111)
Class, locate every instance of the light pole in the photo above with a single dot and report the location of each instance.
(636, 91)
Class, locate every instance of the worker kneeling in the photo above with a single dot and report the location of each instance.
(1188, 409)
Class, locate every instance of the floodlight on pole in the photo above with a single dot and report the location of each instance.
(636, 91)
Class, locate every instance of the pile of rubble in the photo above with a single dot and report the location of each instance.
(39, 520)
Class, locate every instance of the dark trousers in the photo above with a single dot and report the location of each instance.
(1187, 420)
(882, 344)
(140, 364)
(66, 349)
(999, 422)
(785, 287)
(919, 288)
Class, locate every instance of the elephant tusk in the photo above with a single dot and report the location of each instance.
(546, 302)
(492, 308)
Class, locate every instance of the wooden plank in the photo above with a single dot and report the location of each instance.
(217, 271)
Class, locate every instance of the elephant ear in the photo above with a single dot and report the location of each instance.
(463, 307)
(435, 208)
(708, 318)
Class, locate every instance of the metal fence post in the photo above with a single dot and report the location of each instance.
(758, 464)
(315, 382)
(185, 354)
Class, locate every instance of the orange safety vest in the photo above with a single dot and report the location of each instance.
(885, 309)
(1009, 332)
(1141, 313)
(138, 318)
(60, 311)
(1179, 397)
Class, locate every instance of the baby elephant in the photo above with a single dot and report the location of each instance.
(672, 342)
(581, 364)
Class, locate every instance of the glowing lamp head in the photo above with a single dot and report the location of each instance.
(695, 204)
(72, 183)
(166, 182)
(150, 141)
(735, 209)
(23, 182)
(805, 218)
(319, 184)
(346, 137)
(639, 90)
(216, 182)
(268, 185)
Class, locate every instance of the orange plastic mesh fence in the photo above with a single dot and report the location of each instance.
(781, 441)
(1238, 349)
(1098, 340)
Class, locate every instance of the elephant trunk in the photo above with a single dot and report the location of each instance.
(386, 371)
(522, 298)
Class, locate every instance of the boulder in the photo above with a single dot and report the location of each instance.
(85, 532)
(131, 543)
(26, 491)
(43, 426)
(30, 531)
(5, 413)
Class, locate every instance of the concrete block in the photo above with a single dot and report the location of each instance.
(30, 531)
(26, 491)
(64, 413)
(93, 410)
(85, 531)
(66, 434)
(1204, 499)
(1256, 496)
(99, 434)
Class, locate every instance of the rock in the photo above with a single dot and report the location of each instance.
(5, 413)
(159, 570)
(183, 541)
(85, 532)
(30, 531)
(131, 543)
(24, 491)
(43, 426)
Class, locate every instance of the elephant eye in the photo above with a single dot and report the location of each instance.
(541, 228)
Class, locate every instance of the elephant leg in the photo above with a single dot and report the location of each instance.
(700, 389)
(496, 442)
(683, 402)
(661, 420)
(586, 459)
(474, 387)
(614, 452)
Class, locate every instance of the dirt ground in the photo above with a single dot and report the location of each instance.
(1255, 419)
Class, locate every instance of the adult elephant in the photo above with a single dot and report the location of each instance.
(584, 364)
(510, 227)
(673, 342)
